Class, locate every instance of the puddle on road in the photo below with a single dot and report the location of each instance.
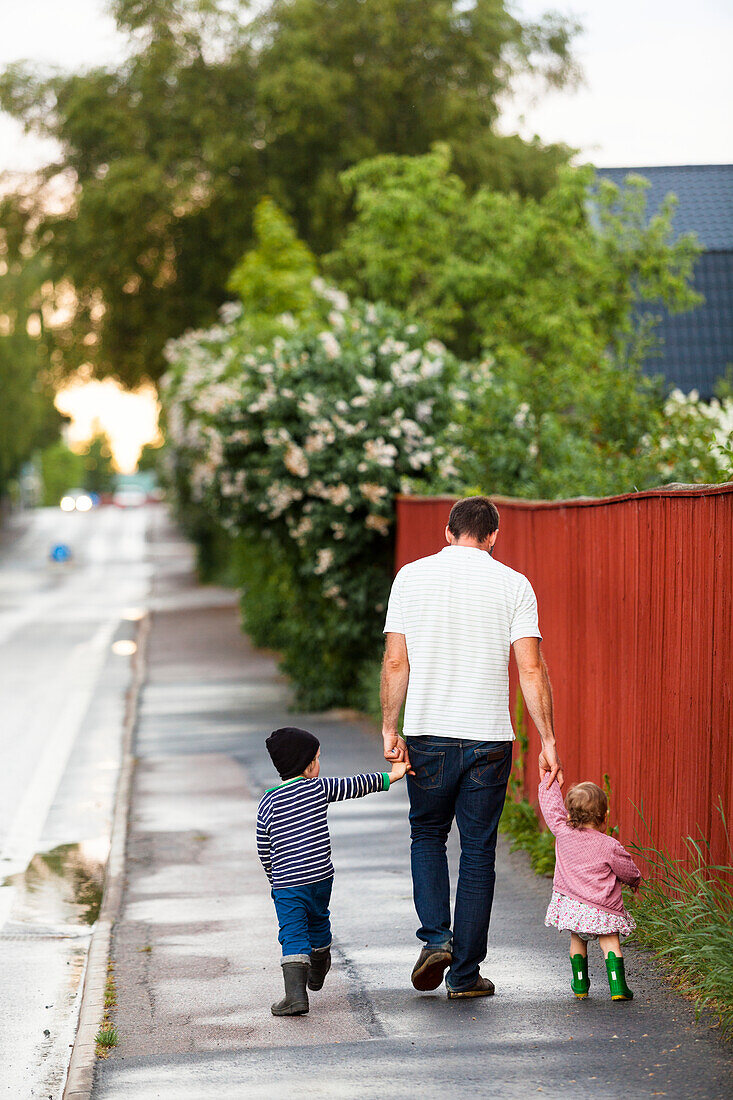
(63, 886)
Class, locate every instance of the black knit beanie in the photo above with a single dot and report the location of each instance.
(292, 750)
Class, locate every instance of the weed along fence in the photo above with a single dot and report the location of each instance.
(636, 608)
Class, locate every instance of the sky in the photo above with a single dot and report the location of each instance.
(658, 80)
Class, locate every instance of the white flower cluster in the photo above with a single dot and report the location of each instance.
(267, 435)
(716, 415)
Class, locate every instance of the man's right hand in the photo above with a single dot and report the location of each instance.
(395, 748)
(549, 764)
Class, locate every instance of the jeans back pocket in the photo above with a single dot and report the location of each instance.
(428, 766)
(491, 766)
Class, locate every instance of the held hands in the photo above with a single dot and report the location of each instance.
(395, 751)
(550, 766)
(398, 770)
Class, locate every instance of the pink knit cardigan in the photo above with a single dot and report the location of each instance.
(589, 866)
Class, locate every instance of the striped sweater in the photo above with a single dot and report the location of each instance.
(293, 842)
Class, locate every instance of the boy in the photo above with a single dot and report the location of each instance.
(294, 847)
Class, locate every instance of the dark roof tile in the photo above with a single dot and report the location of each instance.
(704, 193)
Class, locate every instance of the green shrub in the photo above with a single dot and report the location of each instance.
(684, 913)
(61, 470)
(519, 821)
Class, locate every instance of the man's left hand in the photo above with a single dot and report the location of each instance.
(549, 764)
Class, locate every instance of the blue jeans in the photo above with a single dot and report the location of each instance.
(303, 916)
(466, 780)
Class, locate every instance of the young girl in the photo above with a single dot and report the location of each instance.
(590, 867)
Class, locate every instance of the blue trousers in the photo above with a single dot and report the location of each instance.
(465, 780)
(303, 917)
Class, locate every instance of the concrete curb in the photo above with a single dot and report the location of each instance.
(80, 1078)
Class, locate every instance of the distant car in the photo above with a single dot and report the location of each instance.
(76, 500)
(129, 498)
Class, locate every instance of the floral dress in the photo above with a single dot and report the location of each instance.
(587, 921)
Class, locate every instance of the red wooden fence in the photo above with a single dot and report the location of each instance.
(636, 609)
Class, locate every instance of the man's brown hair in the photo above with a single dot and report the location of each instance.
(477, 517)
(586, 804)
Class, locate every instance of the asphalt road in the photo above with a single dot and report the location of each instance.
(195, 945)
(62, 691)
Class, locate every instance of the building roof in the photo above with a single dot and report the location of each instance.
(697, 346)
(704, 193)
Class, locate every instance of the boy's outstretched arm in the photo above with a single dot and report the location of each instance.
(356, 786)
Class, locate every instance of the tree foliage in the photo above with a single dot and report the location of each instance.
(164, 157)
(558, 294)
(28, 419)
(274, 280)
(344, 80)
(99, 470)
(61, 470)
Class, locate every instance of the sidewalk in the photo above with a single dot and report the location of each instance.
(195, 948)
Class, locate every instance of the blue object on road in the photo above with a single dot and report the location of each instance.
(60, 552)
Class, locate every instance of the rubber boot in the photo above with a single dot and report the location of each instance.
(580, 982)
(617, 978)
(319, 967)
(295, 1001)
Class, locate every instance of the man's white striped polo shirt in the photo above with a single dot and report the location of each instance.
(460, 612)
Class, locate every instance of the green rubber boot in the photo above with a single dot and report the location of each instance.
(580, 982)
(617, 978)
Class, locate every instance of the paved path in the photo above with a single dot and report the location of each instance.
(196, 952)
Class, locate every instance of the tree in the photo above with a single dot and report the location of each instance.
(61, 470)
(160, 178)
(557, 293)
(344, 80)
(99, 471)
(275, 278)
(28, 419)
(164, 157)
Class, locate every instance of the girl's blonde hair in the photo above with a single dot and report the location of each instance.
(586, 804)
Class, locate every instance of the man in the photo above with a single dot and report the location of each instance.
(451, 622)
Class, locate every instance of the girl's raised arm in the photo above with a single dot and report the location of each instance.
(553, 807)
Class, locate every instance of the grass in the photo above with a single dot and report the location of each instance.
(684, 914)
(110, 989)
(107, 1036)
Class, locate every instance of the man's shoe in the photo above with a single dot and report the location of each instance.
(428, 971)
(295, 1001)
(482, 988)
(319, 967)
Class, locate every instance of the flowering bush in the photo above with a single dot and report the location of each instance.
(619, 434)
(304, 444)
(695, 439)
